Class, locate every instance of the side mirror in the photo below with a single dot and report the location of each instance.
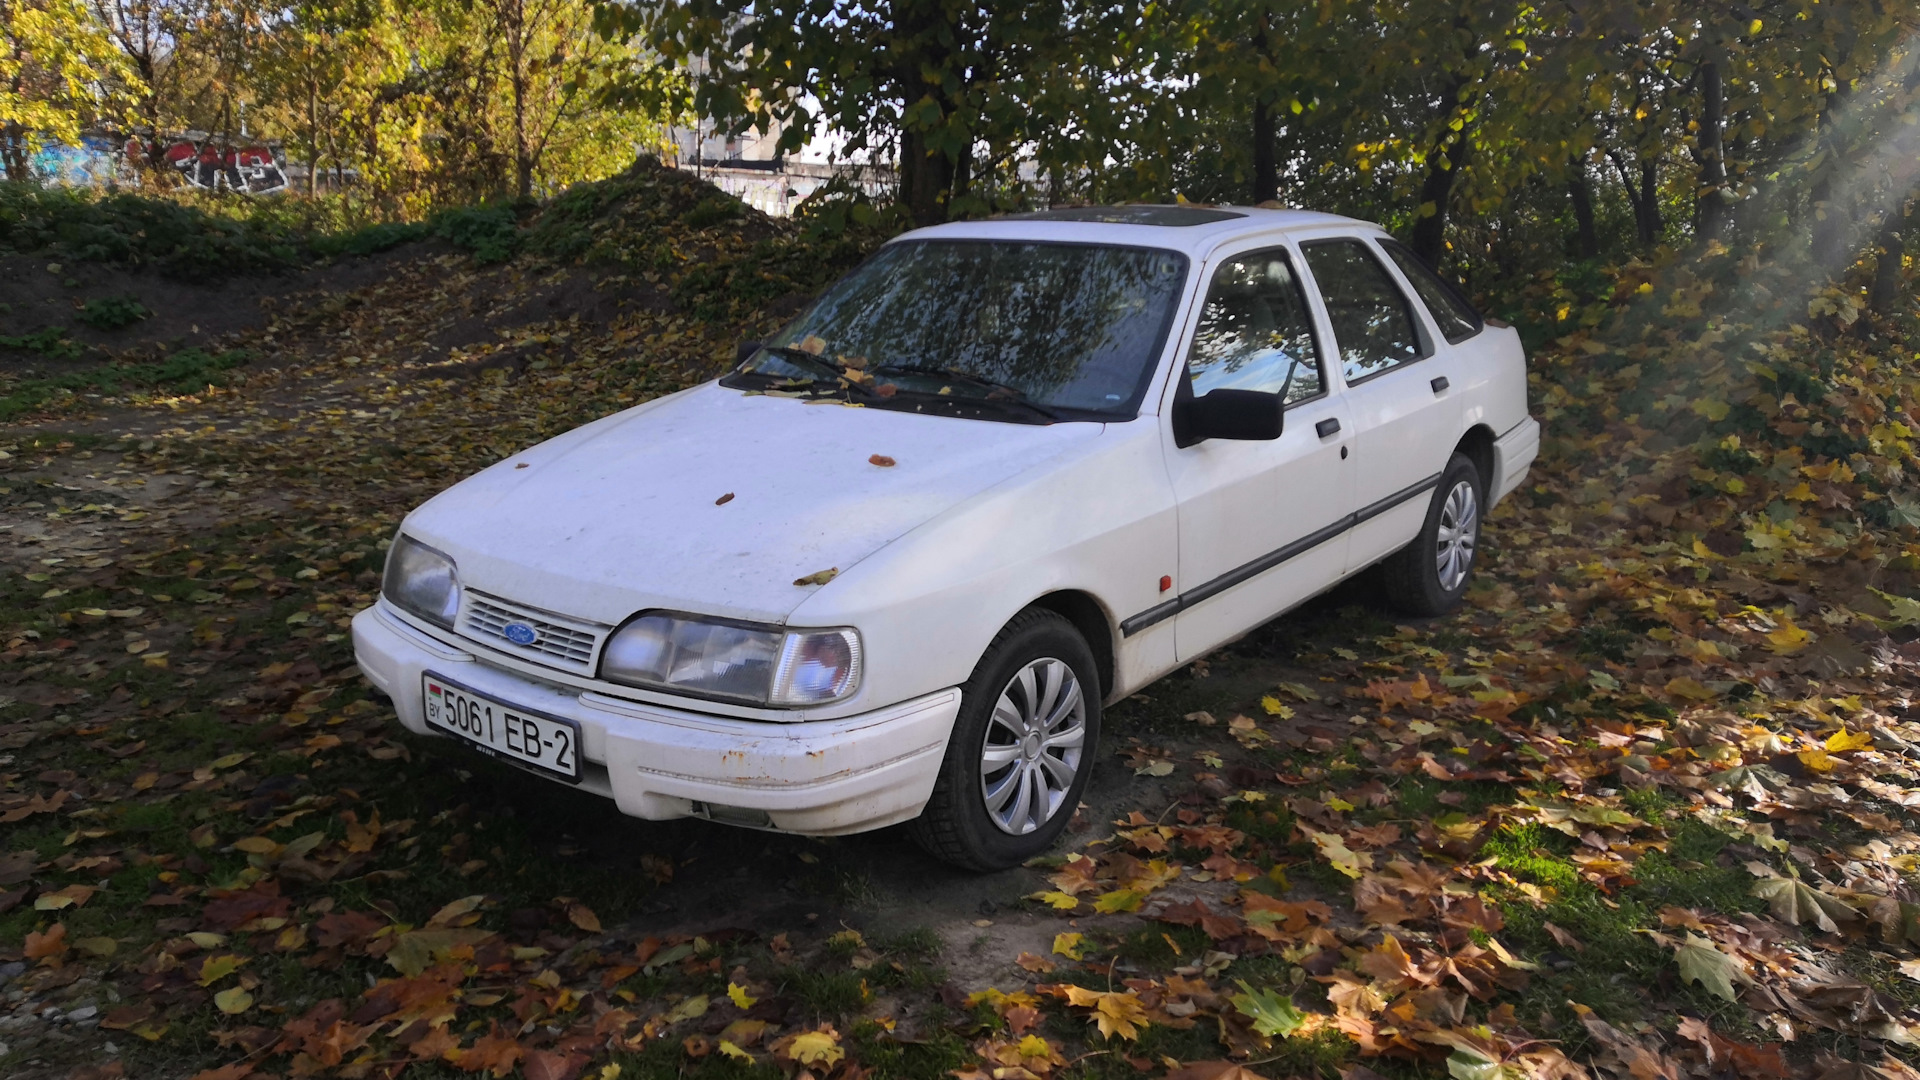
(1251, 415)
(746, 349)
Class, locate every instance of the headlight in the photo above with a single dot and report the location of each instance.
(759, 664)
(421, 580)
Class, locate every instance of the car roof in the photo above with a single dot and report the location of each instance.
(1190, 229)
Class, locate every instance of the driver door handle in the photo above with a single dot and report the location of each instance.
(1329, 426)
(1439, 384)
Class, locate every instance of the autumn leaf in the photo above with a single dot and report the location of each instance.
(1843, 740)
(1793, 901)
(882, 460)
(234, 1000)
(1119, 900)
(1701, 962)
(72, 896)
(47, 946)
(818, 1047)
(215, 968)
(1335, 851)
(1069, 945)
(1055, 899)
(739, 996)
(583, 917)
(457, 913)
(495, 1052)
(1116, 1013)
(818, 577)
(236, 1071)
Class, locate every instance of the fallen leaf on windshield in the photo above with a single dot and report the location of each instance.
(724, 499)
(818, 577)
(882, 460)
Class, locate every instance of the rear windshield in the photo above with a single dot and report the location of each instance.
(1073, 328)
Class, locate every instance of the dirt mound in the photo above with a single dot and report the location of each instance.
(652, 256)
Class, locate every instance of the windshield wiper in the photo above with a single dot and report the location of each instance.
(833, 376)
(998, 393)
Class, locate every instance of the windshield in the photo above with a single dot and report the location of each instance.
(1059, 331)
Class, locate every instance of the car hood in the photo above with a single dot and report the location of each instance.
(714, 501)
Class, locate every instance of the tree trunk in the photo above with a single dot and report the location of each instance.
(1429, 237)
(1586, 240)
(925, 178)
(514, 14)
(1890, 245)
(1649, 224)
(1711, 206)
(1266, 169)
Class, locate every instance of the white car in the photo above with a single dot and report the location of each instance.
(892, 566)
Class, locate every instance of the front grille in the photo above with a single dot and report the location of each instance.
(569, 643)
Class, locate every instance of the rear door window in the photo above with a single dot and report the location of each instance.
(1451, 312)
(1373, 326)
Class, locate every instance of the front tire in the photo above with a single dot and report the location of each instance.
(1022, 748)
(1430, 576)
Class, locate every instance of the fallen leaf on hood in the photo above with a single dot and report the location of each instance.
(724, 499)
(882, 460)
(818, 577)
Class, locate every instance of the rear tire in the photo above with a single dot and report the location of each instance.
(1430, 576)
(1022, 748)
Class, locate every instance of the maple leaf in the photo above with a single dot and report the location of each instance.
(234, 1000)
(1335, 851)
(1069, 945)
(818, 1047)
(495, 1053)
(1703, 963)
(1119, 900)
(47, 946)
(1213, 1070)
(1793, 901)
(739, 996)
(1116, 1013)
(1058, 900)
(236, 1071)
(1271, 1014)
(1843, 740)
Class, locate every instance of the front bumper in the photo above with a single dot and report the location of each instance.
(1513, 455)
(822, 777)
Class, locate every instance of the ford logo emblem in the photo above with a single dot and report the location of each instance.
(520, 633)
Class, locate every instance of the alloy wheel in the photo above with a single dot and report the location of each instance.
(1459, 531)
(1033, 746)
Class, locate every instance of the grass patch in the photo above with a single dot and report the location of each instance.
(112, 312)
(185, 372)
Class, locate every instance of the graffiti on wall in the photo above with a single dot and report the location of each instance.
(251, 170)
(201, 160)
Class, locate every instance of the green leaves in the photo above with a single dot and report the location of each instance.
(1271, 1014)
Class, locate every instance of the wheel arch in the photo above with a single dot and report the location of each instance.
(1477, 445)
(1090, 618)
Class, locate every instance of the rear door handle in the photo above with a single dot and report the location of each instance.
(1329, 426)
(1439, 384)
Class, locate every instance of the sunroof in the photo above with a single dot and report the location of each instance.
(1134, 215)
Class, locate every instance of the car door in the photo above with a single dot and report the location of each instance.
(1259, 521)
(1406, 413)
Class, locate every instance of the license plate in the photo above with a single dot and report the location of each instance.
(514, 734)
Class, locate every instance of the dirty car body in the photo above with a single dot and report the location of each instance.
(1004, 473)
